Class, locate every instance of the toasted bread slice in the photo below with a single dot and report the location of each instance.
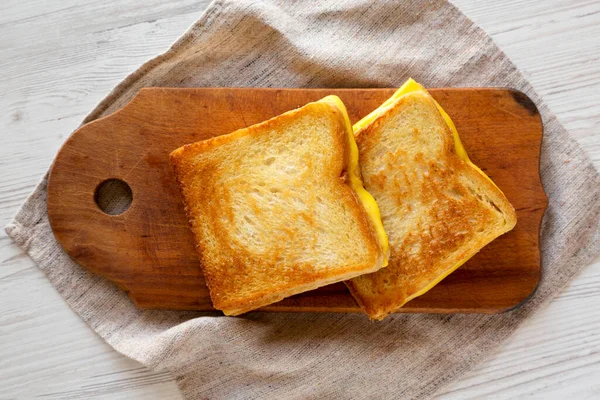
(278, 208)
(437, 207)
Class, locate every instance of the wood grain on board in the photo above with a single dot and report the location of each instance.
(148, 250)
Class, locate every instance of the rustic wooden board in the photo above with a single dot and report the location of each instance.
(148, 250)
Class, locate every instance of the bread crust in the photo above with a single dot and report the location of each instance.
(246, 272)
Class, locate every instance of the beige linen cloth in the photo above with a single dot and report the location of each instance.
(349, 43)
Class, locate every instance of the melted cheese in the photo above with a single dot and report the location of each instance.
(412, 86)
(365, 198)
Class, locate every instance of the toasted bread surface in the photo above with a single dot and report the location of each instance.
(272, 209)
(437, 208)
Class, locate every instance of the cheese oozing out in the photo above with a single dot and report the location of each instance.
(364, 197)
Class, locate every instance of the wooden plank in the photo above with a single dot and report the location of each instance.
(148, 249)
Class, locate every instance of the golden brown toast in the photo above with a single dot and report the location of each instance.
(278, 208)
(438, 209)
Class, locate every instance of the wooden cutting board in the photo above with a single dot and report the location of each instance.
(148, 249)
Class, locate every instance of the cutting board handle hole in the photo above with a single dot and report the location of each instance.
(113, 196)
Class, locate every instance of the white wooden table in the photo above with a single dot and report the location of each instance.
(59, 58)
